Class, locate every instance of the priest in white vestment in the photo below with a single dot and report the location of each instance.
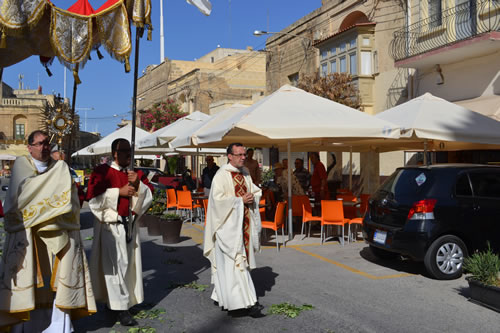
(232, 234)
(44, 276)
(115, 261)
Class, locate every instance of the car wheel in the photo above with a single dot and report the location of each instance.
(445, 257)
(383, 254)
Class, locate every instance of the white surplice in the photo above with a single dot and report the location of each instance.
(223, 240)
(115, 265)
(44, 276)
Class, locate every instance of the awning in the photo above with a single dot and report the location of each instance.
(486, 105)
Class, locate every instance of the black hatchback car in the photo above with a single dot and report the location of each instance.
(436, 214)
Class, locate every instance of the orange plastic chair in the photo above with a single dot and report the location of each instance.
(332, 213)
(297, 203)
(278, 223)
(358, 221)
(307, 215)
(171, 199)
(185, 202)
(262, 209)
(184, 188)
(350, 211)
(205, 206)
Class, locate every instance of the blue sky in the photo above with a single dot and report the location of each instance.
(188, 35)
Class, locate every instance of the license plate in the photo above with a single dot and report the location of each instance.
(380, 236)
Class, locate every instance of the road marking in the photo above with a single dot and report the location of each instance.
(350, 269)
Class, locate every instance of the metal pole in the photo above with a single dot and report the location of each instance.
(425, 152)
(290, 217)
(162, 36)
(138, 35)
(350, 168)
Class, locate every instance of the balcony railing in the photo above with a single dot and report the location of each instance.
(461, 22)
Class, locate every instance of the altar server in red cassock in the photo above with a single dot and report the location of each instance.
(115, 262)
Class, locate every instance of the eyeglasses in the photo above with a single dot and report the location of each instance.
(40, 144)
(239, 155)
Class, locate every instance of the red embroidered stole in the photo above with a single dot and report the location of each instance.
(240, 189)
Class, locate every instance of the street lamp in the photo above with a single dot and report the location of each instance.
(259, 33)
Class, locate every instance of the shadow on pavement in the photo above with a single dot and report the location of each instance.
(164, 268)
(398, 264)
(263, 279)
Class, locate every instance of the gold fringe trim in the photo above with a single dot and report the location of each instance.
(14, 30)
(150, 33)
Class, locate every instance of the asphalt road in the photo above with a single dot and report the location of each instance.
(350, 291)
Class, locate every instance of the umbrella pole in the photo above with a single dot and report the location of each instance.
(425, 152)
(138, 35)
(290, 217)
(350, 168)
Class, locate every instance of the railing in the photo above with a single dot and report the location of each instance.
(461, 22)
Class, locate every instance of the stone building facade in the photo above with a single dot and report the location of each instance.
(452, 50)
(350, 36)
(21, 112)
(216, 80)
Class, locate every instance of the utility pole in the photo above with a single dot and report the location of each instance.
(85, 109)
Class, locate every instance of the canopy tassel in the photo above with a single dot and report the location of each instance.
(3, 42)
(75, 75)
(99, 54)
(127, 65)
(150, 33)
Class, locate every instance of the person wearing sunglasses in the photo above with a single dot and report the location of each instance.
(44, 273)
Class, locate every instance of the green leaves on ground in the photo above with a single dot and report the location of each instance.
(289, 310)
(142, 329)
(484, 267)
(191, 285)
(150, 314)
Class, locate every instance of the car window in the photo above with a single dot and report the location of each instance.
(486, 184)
(407, 182)
(462, 188)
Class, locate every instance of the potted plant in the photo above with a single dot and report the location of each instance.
(483, 269)
(170, 226)
(152, 216)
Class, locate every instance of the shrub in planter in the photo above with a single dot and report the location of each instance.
(483, 269)
(151, 218)
(170, 226)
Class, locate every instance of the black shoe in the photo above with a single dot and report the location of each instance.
(216, 303)
(238, 313)
(126, 318)
(256, 311)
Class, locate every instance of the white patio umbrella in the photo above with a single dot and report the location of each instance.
(164, 135)
(103, 146)
(293, 116)
(441, 125)
(185, 139)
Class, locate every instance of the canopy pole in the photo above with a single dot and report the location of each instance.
(130, 223)
(72, 133)
(290, 217)
(198, 173)
(138, 34)
(350, 168)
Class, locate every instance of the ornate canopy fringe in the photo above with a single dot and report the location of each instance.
(72, 33)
